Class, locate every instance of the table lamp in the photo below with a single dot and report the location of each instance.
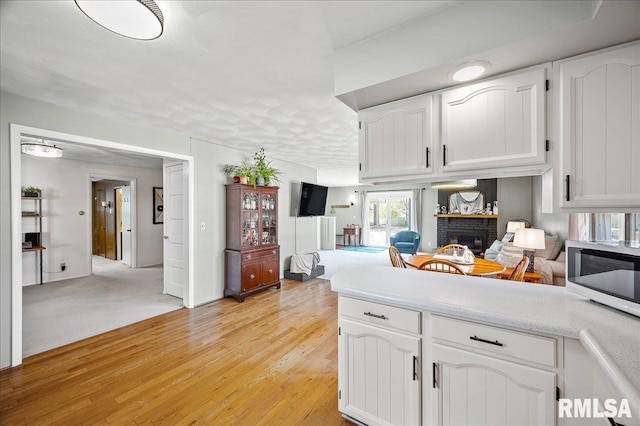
(529, 239)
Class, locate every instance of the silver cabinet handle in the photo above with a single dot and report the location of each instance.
(252, 276)
(369, 314)
(271, 271)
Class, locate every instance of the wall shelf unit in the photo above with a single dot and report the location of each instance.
(33, 240)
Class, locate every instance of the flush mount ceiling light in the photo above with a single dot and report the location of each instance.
(44, 149)
(455, 184)
(469, 71)
(137, 19)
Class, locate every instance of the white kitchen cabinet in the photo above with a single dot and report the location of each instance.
(489, 375)
(396, 140)
(378, 363)
(599, 129)
(495, 123)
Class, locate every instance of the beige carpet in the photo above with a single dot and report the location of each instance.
(62, 312)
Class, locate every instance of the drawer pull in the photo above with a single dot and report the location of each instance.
(271, 271)
(252, 276)
(273, 252)
(415, 368)
(369, 314)
(434, 374)
(476, 338)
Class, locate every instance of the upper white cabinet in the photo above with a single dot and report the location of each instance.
(395, 140)
(495, 123)
(599, 129)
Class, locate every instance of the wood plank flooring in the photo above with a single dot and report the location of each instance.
(271, 360)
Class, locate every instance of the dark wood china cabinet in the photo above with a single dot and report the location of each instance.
(252, 256)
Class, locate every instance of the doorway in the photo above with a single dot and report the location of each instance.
(387, 213)
(18, 131)
(108, 211)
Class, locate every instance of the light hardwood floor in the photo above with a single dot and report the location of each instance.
(271, 360)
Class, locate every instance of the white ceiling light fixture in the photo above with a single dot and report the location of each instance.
(137, 19)
(469, 71)
(455, 184)
(44, 149)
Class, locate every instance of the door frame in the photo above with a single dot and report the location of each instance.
(133, 214)
(387, 194)
(15, 131)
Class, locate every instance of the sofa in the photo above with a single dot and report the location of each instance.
(549, 262)
(406, 241)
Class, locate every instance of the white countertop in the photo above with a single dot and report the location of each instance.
(610, 336)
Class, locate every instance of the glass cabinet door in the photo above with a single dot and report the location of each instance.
(250, 216)
(269, 219)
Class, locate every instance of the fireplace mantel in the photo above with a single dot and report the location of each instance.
(469, 216)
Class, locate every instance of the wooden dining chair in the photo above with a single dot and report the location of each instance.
(441, 265)
(519, 270)
(451, 249)
(396, 258)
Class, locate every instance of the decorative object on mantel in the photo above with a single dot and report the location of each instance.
(529, 239)
(466, 202)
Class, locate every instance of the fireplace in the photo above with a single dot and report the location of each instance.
(475, 232)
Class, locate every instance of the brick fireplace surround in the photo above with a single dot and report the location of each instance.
(477, 233)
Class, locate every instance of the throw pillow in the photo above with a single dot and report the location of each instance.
(549, 244)
(508, 237)
(509, 256)
(492, 252)
(556, 250)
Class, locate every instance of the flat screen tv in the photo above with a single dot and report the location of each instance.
(313, 199)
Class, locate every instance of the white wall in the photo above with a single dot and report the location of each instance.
(552, 223)
(209, 198)
(514, 201)
(66, 233)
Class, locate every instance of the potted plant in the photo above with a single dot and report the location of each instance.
(266, 174)
(31, 191)
(244, 171)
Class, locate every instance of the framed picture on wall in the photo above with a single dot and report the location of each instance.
(158, 202)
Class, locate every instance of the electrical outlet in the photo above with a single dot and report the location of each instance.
(63, 266)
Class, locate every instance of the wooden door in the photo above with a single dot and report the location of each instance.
(378, 375)
(495, 123)
(600, 129)
(99, 219)
(477, 389)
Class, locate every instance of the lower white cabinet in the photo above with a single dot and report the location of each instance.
(378, 368)
(476, 389)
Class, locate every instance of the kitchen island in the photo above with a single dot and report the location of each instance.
(550, 334)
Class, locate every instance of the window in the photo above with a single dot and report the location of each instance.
(605, 226)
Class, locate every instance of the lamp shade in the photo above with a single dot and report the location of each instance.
(514, 225)
(529, 238)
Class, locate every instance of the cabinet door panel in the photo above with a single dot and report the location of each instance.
(270, 270)
(600, 129)
(476, 389)
(251, 275)
(394, 138)
(376, 375)
(495, 123)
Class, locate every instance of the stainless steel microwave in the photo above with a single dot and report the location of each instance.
(607, 273)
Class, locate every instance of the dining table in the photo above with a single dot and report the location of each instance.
(480, 267)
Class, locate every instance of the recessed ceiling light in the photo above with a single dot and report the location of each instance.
(469, 71)
(138, 19)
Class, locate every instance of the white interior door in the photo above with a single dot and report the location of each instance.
(175, 234)
(126, 225)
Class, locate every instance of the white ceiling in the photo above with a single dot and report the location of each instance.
(237, 73)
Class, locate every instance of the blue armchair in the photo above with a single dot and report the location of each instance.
(406, 241)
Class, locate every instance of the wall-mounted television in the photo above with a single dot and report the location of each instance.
(313, 199)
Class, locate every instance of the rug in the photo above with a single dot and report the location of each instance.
(364, 249)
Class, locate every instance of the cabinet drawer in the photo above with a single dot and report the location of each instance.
(379, 314)
(514, 344)
(260, 254)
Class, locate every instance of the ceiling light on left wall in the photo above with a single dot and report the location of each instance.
(137, 19)
(44, 149)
